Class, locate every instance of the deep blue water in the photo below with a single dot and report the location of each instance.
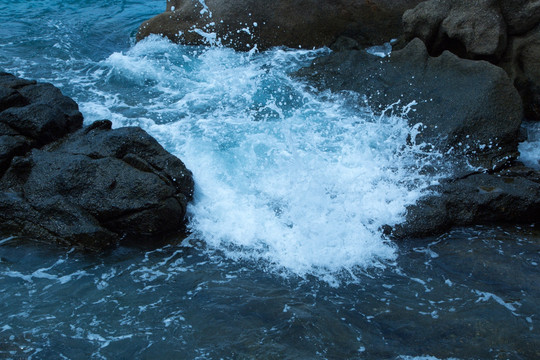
(285, 260)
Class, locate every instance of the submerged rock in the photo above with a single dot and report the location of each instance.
(468, 110)
(88, 187)
(301, 23)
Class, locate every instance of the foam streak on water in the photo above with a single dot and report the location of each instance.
(298, 179)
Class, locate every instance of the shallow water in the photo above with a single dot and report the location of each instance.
(285, 257)
(471, 294)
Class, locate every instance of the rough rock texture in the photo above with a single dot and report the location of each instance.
(504, 32)
(306, 23)
(32, 115)
(90, 187)
(510, 196)
(472, 30)
(520, 15)
(522, 63)
(471, 113)
(468, 109)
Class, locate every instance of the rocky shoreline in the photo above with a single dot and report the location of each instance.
(505, 33)
(508, 196)
(463, 81)
(88, 187)
(469, 74)
(301, 23)
(471, 117)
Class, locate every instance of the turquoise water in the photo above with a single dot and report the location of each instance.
(285, 257)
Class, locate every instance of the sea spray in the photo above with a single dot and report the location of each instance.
(530, 149)
(183, 302)
(288, 177)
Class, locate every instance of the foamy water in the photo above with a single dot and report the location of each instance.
(301, 180)
(289, 181)
(530, 149)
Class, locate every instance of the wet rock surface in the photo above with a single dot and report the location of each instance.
(302, 23)
(466, 109)
(474, 32)
(504, 32)
(90, 187)
(522, 63)
(32, 115)
(509, 196)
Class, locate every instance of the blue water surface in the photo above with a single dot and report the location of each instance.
(285, 259)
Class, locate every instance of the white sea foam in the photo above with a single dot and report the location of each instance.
(300, 180)
(205, 8)
(380, 50)
(486, 296)
(44, 274)
(530, 149)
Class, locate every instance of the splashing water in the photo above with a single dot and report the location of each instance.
(530, 150)
(300, 180)
(294, 180)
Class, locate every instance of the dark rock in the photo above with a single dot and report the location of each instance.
(11, 146)
(511, 196)
(470, 112)
(424, 21)
(47, 94)
(40, 122)
(302, 23)
(10, 97)
(13, 82)
(521, 16)
(345, 43)
(92, 177)
(471, 31)
(504, 32)
(468, 109)
(89, 188)
(32, 115)
(522, 63)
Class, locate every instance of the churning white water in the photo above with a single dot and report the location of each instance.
(530, 149)
(289, 181)
(299, 180)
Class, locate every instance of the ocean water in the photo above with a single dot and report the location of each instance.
(285, 257)
(530, 149)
